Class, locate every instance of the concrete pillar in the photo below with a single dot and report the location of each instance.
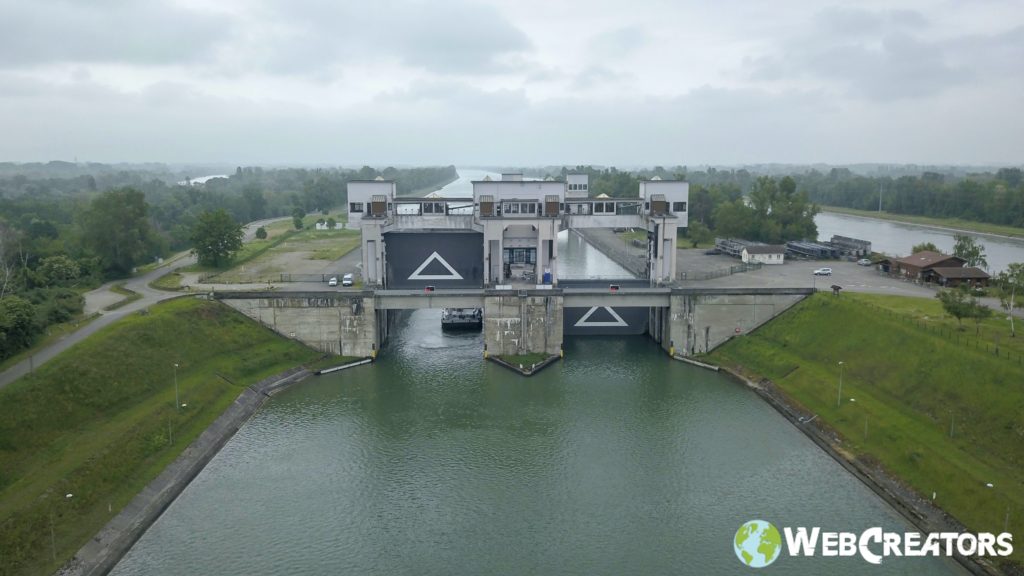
(520, 324)
(662, 268)
(373, 253)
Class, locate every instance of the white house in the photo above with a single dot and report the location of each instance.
(763, 254)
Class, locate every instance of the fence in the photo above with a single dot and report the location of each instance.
(721, 272)
(264, 278)
(960, 337)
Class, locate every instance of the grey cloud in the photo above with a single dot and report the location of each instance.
(459, 96)
(618, 42)
(44, 31)
(598, 76)
(450, 38)
(871, 55)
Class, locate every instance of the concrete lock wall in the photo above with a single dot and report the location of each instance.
(522, 324)
(346, 326)
(700, 323)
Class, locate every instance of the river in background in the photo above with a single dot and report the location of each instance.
(897, 238)
(613, 461)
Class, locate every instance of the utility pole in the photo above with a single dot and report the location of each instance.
(879, 197)
(177, 402)
(839, 396)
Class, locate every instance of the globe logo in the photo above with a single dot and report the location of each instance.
(757, 543)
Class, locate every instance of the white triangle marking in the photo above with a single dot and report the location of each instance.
(432, 258)
(584, 321)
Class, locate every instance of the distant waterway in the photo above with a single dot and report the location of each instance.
(201, 179)
(897, 238)
(613, 461)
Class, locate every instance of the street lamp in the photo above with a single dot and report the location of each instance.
(53, 537)
(839, 397)
(177, 403)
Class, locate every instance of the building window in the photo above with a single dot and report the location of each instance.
(354, 207)
(583, 186)
(528, 208)
(679, 206)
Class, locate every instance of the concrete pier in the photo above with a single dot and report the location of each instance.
(522, 324)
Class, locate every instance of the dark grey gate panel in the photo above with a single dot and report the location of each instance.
(604, 320)
(449, 259)
(601, 321)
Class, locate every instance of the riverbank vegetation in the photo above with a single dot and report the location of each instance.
(100, 421)
(992, 198)
(938, 408)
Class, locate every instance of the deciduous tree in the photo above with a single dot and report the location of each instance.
(969, 249)
(117, 229)
(216, 237)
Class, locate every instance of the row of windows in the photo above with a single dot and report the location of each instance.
(577, 186)
(519, 207)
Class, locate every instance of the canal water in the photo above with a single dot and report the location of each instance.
(614, 461)
(896, 238)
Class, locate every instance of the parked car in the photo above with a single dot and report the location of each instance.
(823, 272)
(348, 280)
(864, 262)
(333, 281)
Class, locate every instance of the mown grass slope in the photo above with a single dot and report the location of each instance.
(99, 421)
(944, 416)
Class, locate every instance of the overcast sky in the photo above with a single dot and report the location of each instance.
(517, 82)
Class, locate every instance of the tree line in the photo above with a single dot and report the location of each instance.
(62, 234)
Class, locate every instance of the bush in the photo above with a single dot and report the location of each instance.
(55, 305)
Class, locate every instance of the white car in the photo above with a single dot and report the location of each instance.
(348, 280)
(823, 272)
(333, 281)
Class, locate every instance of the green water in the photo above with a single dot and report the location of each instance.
(613, 461)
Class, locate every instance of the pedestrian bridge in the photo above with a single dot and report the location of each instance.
(517, 321)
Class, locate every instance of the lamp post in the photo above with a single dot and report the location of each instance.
(839, 396)
(53, 536)
(177, 403)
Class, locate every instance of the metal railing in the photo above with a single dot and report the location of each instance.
(720, 273)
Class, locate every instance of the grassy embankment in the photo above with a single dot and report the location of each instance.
(99, 420)
(945, 416)
(54, 332)
(955, 223)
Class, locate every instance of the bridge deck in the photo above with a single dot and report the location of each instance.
(474, 298)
